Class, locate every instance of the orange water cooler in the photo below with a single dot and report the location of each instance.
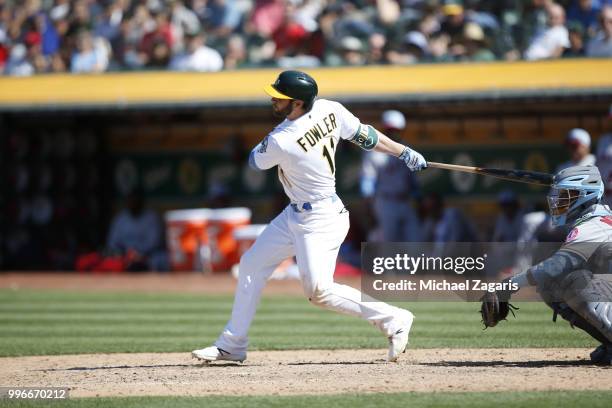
(187, 238)
(224, 248)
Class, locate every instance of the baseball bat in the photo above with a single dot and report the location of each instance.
(521, 176)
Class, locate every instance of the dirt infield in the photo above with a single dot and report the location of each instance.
(310, 372)
(284, 372)
(149, 282)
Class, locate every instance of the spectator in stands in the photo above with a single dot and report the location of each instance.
(4, 51)
(533, 22)
(136, 232)
(18, 63)
(481, 13)
(388, 12)
(160, 57)
(290, 36)
(576, 40)
(235, 53)
(60, 9)
(352, 51)
(35, 55)
(578, 144)
(414, 49)
(108, 25)
(439, 47)
(267, 17)
(149, 33)
(604, 157)
(443, 224)
(376, 49)
(222, 17)
(80, 19)
(585, 13)
(552, 42)
(475, 44)
(50, 37)
(454, 22)
(158, 39)
(601, 45)
(183, 21)
(197, 56)
(89, 57)
(509, 223)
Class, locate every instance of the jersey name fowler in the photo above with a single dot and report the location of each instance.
(319, 131)
(304, 149)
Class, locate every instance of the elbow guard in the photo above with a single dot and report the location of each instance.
(366, 137)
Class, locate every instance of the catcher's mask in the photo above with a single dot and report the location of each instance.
(574, 191)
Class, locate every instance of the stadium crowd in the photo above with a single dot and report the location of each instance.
(87, 36)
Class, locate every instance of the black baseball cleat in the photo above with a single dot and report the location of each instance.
(602, 355)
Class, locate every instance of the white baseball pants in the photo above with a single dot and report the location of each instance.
(314, 237)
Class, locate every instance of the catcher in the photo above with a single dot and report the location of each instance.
(573, 280)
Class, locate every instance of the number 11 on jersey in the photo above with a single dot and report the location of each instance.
(329, 155)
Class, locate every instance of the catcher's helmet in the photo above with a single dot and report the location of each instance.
(294, 85)
(574, 191)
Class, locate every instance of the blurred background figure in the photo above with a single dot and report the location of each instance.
(584, 13)
(576, 48)
(91, 55)
(453, 22)
(136, 232)
(600, 45)
(197, 56)
(352, 51)
(475, 44)
(509, 226)
(551, 42)
(412, 50)
(509, 223)
(604, 158)
(442, 224)
(236, 53)
(156, 44)
(390, 187)
(376, 49)
(578, 144)
(91, 36)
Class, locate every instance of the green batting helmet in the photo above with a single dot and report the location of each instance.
(294, 85)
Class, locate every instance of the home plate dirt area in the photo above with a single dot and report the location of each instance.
(289, 372)
(310, 372)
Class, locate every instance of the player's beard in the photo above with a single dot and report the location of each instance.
(283, 113)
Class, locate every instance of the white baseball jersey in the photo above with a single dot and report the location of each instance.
(304, 149)
(589, 241)
(604, 163)
(592, 240)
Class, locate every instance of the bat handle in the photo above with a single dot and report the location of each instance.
(454, 167)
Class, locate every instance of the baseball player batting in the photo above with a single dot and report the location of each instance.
(315, 223)
(572, 281)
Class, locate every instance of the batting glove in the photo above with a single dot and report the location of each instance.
(413, 159)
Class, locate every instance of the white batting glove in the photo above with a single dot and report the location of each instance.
(413, 159)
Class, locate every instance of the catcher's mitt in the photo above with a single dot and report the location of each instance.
(495, 307)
